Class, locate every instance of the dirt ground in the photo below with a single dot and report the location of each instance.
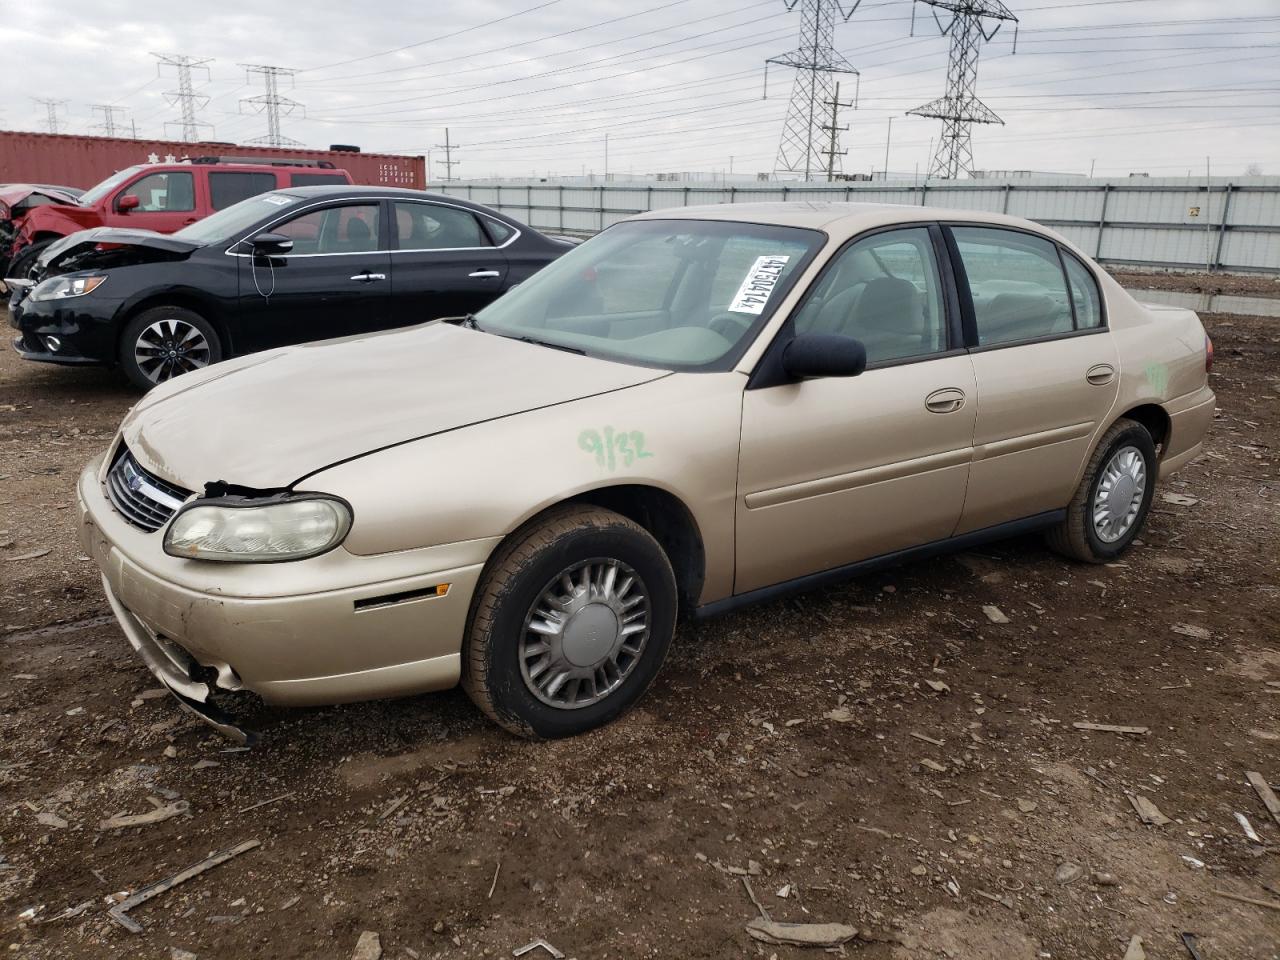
(1231, 284)
(879, 754)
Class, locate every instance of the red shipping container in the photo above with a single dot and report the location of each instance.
(81, 161)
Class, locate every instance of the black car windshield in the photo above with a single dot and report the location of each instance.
(227, 224)
(96, 193)
(677, 294)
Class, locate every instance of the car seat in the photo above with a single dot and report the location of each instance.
(889, 320)
(358, 236)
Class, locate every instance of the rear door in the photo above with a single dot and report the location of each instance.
(444, 262)
(333, 283)
(1047, 372)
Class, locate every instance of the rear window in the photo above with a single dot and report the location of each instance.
(316, 179)
(227, 188)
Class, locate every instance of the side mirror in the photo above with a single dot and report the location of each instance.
(271, 244)
(813, 355)
(128, 202)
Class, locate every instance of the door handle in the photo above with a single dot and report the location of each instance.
(946, 400)
(368, 277)
(485, 274)
(1100, 374)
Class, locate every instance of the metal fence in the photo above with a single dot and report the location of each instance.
(1173, 223)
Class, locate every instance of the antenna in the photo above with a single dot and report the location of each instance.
(816, 61)
(960, 107)
(51, 107)
(110, 126)
(185, 96)
(272, 104)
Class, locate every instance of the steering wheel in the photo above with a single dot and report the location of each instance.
(731, 326)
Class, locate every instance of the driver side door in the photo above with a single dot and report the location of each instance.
(837, 470)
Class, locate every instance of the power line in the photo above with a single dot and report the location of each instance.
(185, 96)
(271, 103)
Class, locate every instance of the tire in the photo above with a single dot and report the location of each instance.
(192, 340)
(1079, 536)
(20, 266)
(502, 670)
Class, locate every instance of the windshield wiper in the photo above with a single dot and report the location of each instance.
(469, 320)
(547, 343)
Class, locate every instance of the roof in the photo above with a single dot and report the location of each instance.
(360, 190)
(841, 219)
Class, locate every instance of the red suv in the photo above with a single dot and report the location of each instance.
(164, 197)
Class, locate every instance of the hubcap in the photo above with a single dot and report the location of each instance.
(1120, 493)
(584, 634)
(168, 348)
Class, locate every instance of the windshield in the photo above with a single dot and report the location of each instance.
(677, 294)
(229, 223)
(94, 194)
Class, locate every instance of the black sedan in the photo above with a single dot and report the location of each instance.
(280, 268)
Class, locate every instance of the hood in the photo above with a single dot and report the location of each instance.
(104, 247)
(270, 419)
(17, 195)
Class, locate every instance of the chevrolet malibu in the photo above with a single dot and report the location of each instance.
(695, 410)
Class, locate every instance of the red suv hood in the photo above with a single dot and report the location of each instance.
(12, 194)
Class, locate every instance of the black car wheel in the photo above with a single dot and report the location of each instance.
(165, 342)
(570, 623)
(20, 266)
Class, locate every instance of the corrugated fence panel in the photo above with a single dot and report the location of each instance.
(1173, 222)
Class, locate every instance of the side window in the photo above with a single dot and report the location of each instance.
(500, 232)
(173, 192)
(1017, 284)
(428, 226)
(1084, 293)
(228, 188)
(348, 229)
(316, 179)
(885, 291)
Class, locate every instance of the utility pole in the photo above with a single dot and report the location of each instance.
(185, 96)
(816, 62)
(887, 140)
(109, 126)
(271, 103)
(51, 107)
(606, 157)
(959, 108)
(448, 162)
(834, 129)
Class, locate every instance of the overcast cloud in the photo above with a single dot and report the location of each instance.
(676, 84)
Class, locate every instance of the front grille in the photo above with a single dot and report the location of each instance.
(142, 498)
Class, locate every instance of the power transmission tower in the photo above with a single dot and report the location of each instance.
(833, 149)
(51, 120)
(960, 107)
(109, 126)
(816, 62)
(272, 104)
(185, 96)
(448, 162)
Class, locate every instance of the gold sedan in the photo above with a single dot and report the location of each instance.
(694, 410)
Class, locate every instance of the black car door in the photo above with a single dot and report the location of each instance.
(335, 281)
(444, 262)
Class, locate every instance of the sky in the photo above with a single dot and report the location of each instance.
(534, 87)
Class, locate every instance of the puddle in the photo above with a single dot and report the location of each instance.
(1212, 302)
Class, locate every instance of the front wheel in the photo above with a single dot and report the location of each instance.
(1113, 499)
(164, 342)
(20, 266)
(571, 623)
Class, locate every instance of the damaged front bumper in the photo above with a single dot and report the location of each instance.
(177, 670)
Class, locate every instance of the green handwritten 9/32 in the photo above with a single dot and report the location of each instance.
(613, 446)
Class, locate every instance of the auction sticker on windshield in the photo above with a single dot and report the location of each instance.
(276, 200)
(758, 285)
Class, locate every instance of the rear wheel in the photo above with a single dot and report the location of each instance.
(164, 342)
(20, 266)
(571, 623)
(1113, 499)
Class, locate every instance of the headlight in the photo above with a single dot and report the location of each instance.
(63, 288)
(288, 529)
